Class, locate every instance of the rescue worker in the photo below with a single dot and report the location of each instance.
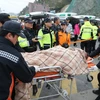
(56, 26)
(11, 61)
(86, 33)
(29, 44)
(47, 37)
(62, 37)
(93, 54)
(95, 33)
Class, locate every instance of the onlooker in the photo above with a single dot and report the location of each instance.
(3, 18)
(69, 29)
(76, 31)
(56, 26)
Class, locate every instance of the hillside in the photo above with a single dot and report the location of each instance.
(89, 7)
(55, 4)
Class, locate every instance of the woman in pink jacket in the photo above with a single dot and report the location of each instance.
(76, 31)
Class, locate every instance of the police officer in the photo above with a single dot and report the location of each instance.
(86, 33)
(47, 37)
(11, 61)
(29, 44)
(95, 34)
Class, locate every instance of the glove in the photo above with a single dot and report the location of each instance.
(93, 68)
(37, 69)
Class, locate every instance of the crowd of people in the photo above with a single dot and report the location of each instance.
(55, 32)
(45, 36)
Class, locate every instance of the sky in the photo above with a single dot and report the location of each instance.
(13, 6)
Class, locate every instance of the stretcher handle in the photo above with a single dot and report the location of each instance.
(51, 67)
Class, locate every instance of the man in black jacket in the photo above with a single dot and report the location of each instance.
(12, 64)
(93, 54)
(30, 35)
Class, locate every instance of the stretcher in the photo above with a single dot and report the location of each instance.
(51, 78)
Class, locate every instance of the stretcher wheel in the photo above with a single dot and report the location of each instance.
(64, 93)
(89, 78)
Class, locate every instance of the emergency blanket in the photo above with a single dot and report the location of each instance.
(71, 60)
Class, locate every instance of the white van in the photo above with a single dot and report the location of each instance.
(63, 16)
(37, 15)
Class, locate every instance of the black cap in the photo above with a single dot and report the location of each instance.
(64, 23)
(14, 27)
(86, 18)
(46, 20)
(27, 20)
(4, 17)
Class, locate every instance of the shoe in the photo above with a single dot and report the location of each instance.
(97, 92)
(93, 68)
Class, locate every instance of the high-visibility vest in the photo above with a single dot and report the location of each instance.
(47, 38)
(86, 31)
(95, 31)
(23, 42)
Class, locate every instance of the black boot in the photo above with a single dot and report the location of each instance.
(98, 98)
(97, 92)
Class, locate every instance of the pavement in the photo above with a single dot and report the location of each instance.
(81, 88)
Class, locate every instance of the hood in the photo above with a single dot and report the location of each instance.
(87, 23)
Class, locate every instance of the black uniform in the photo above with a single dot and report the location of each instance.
(30, 33)
(93, 54)
(98, 34)
(11, 61)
